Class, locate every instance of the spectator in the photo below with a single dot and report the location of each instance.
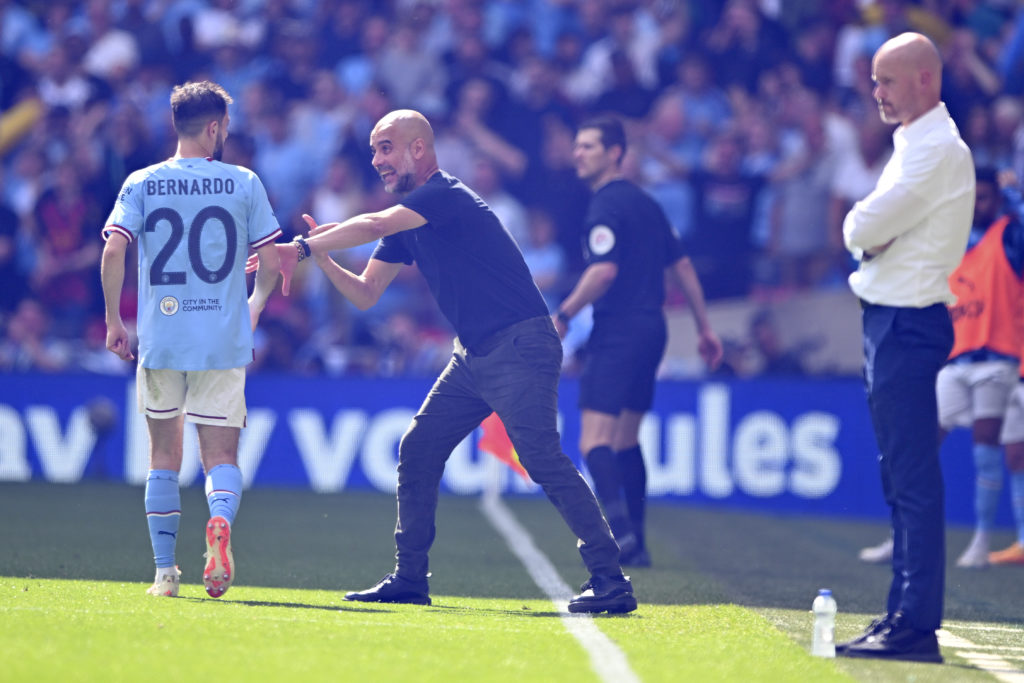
(12, 279)
(967, 77)
(281, 161)
(480, 117)
(28, 345)
(706, 108)
(630, 41)
(320, 122)
(358, 71)
(411, 74)
(340, 23)
(113, 53)
(487, 181)
(544, 256)
(721, 245)
(626, 95)
(62, 83)
(799, 244)
(743, 43)
(775, 359)
(663, 165)
(64, 279)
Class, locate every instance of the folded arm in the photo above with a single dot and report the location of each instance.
(893, 208)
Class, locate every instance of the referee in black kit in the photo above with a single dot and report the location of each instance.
(628, 244)
(507, 356)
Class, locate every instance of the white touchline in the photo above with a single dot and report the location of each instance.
(605, 656)
(999, 668)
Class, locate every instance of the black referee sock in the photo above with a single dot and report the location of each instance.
(633, 472)
(604, 470)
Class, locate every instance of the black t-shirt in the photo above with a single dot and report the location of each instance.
(471, 263)
(724, 213)
(626, 226)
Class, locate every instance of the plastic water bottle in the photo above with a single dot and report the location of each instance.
(823, 640)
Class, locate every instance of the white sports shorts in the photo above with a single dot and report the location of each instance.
(973, 391)
(211, 397)
(1013, 423)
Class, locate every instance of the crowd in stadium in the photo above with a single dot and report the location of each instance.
(752, 123)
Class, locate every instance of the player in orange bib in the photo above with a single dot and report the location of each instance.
(974, 387)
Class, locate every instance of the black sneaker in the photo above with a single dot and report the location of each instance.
(394, 588)
(604, 594)
(898, 640)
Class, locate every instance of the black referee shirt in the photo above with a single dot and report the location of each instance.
(626, 226)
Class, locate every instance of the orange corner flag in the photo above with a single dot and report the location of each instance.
(496, 442)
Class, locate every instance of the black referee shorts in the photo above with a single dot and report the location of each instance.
(620, 363)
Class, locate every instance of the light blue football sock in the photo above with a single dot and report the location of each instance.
(224, 491)
(163, 514)
(988, 468)
(1017, 495)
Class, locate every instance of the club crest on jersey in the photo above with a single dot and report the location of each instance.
(168, 305)
(601, 240)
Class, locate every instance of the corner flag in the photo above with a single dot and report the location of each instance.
(496, 442)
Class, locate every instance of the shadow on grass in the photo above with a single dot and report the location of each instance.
(523, 612)
(344, 607)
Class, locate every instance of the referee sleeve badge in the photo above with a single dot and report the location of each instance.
(601, 240)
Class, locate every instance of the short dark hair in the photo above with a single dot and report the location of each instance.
(611, 129)
(195, 104)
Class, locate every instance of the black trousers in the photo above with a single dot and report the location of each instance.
(904, 348)
(515, 374)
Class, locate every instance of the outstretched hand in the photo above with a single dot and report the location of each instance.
(315, 229)
(289, 260)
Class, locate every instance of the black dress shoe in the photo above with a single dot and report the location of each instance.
(897, 640)
(612, 594)
(394, 588)
(876, 627)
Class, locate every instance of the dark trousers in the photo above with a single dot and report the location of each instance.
(514, 373)
(904, 348)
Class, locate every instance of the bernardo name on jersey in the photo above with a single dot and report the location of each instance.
(195, 220)
(183, 186)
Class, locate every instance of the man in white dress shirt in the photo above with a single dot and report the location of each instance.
(909, 234)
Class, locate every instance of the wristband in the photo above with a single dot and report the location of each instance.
(563, 316)
(302, 247)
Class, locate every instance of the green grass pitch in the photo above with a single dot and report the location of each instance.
(727, 599)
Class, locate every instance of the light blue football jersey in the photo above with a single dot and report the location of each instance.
(194, 220)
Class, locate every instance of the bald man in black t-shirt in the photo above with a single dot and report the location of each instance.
(506, 360)
(628, 245)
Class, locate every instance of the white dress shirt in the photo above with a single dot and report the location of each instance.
(924, 203)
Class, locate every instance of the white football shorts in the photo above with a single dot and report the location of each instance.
(972, 391)
(211, 397)
(1013, 423)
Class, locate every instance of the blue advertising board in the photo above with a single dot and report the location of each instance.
(784, 446)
